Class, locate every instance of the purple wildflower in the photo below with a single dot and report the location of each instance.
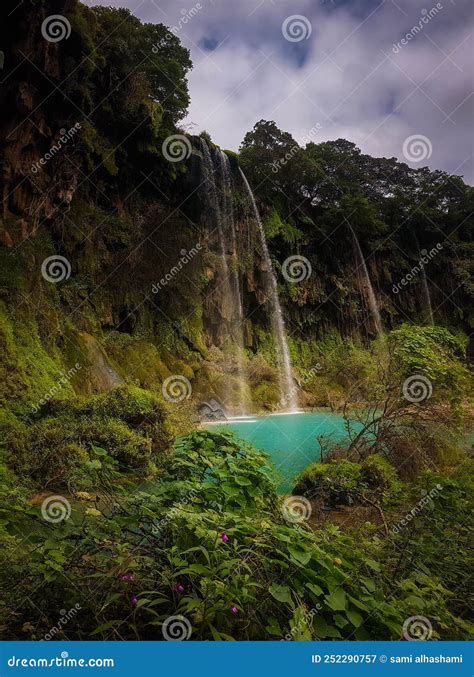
(224, 538)
(234, 610)
(127, 578)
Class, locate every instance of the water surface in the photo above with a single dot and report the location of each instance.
(289, 439)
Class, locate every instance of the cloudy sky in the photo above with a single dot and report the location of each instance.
(336, 67)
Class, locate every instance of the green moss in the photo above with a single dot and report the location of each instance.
(28, 371)
(129, 423)
(266, 396)
(335, 483)
(343, 482)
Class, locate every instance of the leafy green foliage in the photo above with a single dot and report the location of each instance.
(55, 445)
(209, 542)
(324, 192)
(343, 482)
(434, 352)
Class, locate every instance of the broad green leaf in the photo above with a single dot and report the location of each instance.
(336, 600)
(355, 618)
(282, 593)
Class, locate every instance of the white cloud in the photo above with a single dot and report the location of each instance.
(345, 77)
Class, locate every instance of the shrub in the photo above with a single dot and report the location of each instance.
(379, 476)
(209, 542)
(335, 483)
(130, 423)
(433, 352)
(343, 482)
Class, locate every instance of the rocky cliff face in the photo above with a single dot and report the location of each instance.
(37, 185)
(150, 315)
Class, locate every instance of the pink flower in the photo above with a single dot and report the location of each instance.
(224, 538)
(178, 589)
(234, 610)
(127, 578)
(134, 601)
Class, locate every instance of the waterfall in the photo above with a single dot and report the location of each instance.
(227, 307)
(217, 177)
(366, 285)
(229, 230)
(426, 294)
(287, 385)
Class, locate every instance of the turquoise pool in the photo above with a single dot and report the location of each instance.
(289, 439)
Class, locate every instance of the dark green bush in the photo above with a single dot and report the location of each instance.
(128, 422)
(343, 482)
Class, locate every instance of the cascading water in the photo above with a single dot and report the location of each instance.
(287, 384)
(427, 307)
(227, 306)
(229, 227)
(426, 294)
(366, 285)
(218, 185)
(229, 230)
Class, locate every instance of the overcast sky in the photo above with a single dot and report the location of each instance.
(340, 67)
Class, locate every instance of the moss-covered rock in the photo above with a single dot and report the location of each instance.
(343, 482)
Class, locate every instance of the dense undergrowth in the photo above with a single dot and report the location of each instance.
(101, 514)
(211, 541)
